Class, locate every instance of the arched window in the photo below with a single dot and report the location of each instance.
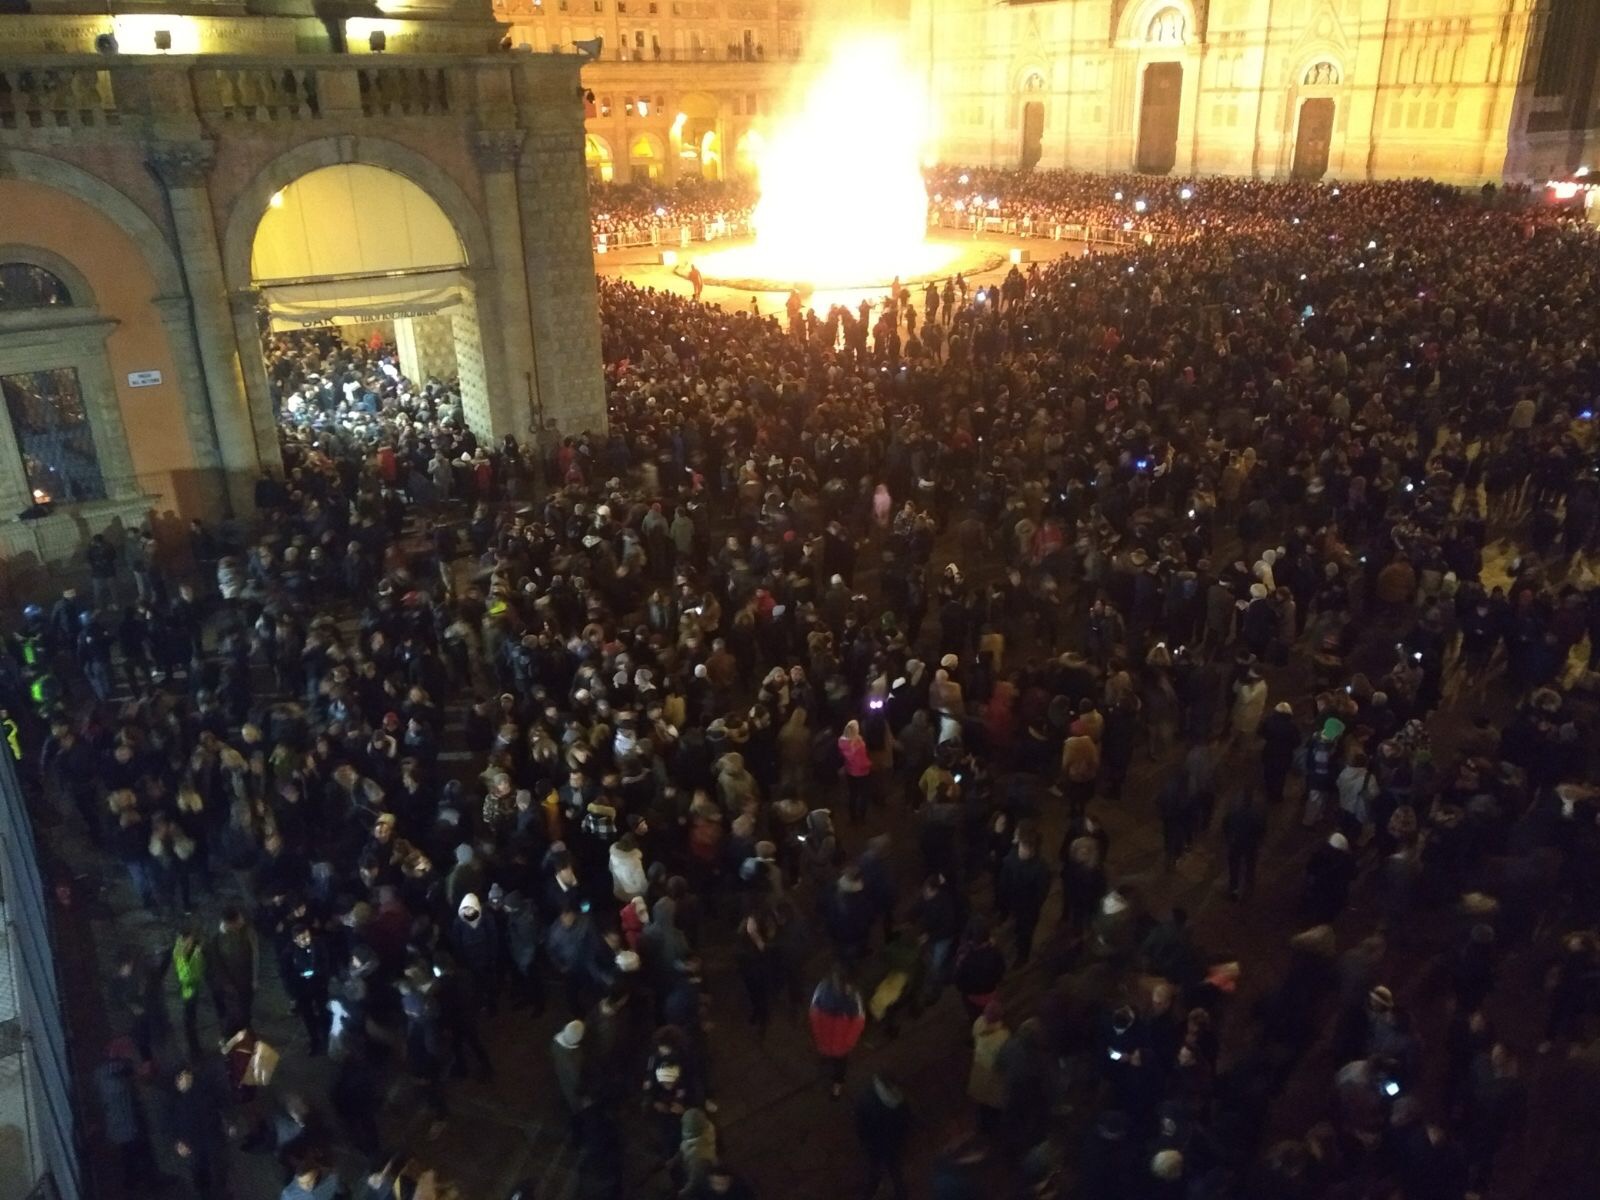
(1322, 74)
(1033, 81)
(24, 285)
(1167, 28)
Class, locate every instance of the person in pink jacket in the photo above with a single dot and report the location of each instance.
(857, 769)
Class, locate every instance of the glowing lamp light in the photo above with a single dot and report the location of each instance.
(1372, 245)
(1582, 172)
(1185, 193)
(1126, 226)
(1116, 195)
(661, 211)
(962, 180)
(40, 496)
(156, 33)
(1139, 206)
(669, 258)
(276, 200)
(994, 202)
(1335, 191)
(1302, 278)
(370, 32)
(1565, 190)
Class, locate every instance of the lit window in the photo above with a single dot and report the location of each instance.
(54, 436)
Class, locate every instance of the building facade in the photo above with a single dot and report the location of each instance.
(681, 88)
(1457, 90)
(212, 175)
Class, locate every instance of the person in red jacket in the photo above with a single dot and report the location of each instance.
(838, 1016)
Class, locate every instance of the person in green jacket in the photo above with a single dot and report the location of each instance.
(189, 965)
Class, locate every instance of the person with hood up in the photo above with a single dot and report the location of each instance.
(697, 1154)
(1329, 874)
(476, 942)
(1279, 739)
(838, 1017)
(628, 877)
(570, 1058)
(883, 1126)
(819, 852)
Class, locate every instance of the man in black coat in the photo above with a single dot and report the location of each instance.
(1021, 888)
(883, 1124)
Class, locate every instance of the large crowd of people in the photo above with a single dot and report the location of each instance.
(631, 214)
(834, 664)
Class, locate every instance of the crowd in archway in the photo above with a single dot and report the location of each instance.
(1271, 534)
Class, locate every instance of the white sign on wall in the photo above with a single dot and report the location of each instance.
(143, 378)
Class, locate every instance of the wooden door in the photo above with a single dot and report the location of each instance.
(1032, 134)
(1316, 134)
(1158, 118)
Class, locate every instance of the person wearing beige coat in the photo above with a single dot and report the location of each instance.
(984, 1085)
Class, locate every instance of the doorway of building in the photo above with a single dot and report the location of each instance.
(1158, 118)
(1312, 142)
(364, 255)
(1032, 134)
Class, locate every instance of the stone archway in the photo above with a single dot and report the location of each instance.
(466, 319)
(248, 207)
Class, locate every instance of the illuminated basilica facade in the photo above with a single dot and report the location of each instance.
(1457, 90)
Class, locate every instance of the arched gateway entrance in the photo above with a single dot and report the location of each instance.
(365, 251)
(365, 237)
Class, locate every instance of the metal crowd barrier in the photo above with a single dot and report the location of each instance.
(670, 235)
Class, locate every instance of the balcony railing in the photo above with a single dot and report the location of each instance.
(87, 92)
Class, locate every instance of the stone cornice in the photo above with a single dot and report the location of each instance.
(182, 164)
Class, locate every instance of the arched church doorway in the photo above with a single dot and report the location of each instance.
(1032, 134)
(1158, 118)
(361, 257)
(1314, 138)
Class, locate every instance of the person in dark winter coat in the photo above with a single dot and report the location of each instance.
(1329, 873)
(883, 1126)
(125, 1126)
(476, 942)
(196, 1132)
(979, 968)
(1021, 888)
(570, 1059)
(1279, 740)
(1244, 827)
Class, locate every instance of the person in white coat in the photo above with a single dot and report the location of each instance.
(1249, 705)
(628, 877)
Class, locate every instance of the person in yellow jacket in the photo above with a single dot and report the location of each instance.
(189, 965)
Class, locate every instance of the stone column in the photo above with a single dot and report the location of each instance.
(562, 300)
(512, 395)
(553, 196)
(246, 306)
(405, 349)
(182, 168)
